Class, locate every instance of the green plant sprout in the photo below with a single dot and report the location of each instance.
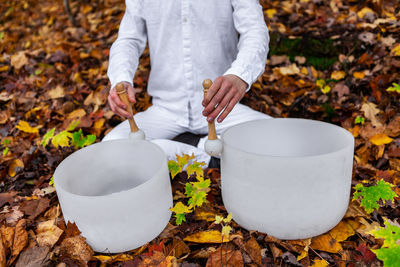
(372, 194)
(359, 120)
(5, 144)
(389, 253)
(68, 138)
(196, 192)
(394, 88)
(52, 181)
(321, 84)
(225, 232)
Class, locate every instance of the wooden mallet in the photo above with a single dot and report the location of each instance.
(135, 133)
(213, 146)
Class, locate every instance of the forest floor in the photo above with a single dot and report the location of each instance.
(336, 61)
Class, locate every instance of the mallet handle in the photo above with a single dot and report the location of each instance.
(212, 134)
(120, 89)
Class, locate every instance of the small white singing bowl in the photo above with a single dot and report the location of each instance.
(289, 178)
(117, 192)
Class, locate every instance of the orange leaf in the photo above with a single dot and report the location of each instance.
(380, 139)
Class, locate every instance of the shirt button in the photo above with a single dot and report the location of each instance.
(184, 20)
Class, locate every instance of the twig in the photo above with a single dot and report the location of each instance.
(70, 15)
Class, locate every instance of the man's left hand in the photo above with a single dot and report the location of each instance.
(224, 94)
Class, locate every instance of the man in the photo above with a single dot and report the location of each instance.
(189, 41)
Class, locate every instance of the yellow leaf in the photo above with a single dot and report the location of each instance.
(218, 219)
(200, 214)
(14, 165)
(4, 68)
(320, 263)
(359, 74)
(338, 74)
(47, 233)
(355, 131)
(364, 11)
(77, 113)
(326, 243)
(226, 230)
(25, 127)
(380, 139)
(304, 71)
(343, 230)
(212, 236)
(326, 89)
(270, 12)
(114, 258)
(228, 218)
(290, 70)
(181, 208)
(61, 139)
(396, 50)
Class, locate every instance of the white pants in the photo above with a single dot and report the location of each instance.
(160, 127)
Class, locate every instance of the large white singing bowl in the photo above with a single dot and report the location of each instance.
(117, 192)
(289, 178)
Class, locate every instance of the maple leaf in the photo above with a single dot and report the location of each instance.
(226, 231)
(46, 138)
(79, 141)
(195, 167)
(198, 198)
(73, 125)
(173, 168)
(61, 139)
(228, 218)
(218, 219)
(183, 160)
(389, 253)
(25, 127)
(359, 120)
(189, 189)
(180, 209)
(371, 195)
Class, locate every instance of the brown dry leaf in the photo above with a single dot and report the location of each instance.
(344, 230)
(77, 113)
(355, 210)
(72, 230)
(230, 258)
(47, 233)
(158, 259)
(338, 74)
(326, 243)
(395, 164)
(3, 261)
(4, 116)
(370, 111)
(212, 236)
(13, 217)
(114, 258)
(7, 197)
(290, 70)
(35, 207)
(13, 168)
(254, 250)
(19, 59)
(34, 257)
(341, 89)
(20, 240)
(179, 248)
(57, 92)
(77, 249)
(380, 139)
(169, 231)
(7, 236)
(366, 227)
(204, 214)
(52, 213)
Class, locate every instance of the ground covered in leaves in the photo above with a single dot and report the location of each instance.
(336, 61)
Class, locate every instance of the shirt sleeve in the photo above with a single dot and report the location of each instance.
(129, 45)
(253, 43)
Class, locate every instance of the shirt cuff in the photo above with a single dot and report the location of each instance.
(242, 74)
(122, 78)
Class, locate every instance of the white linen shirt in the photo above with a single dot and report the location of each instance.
(189, 41)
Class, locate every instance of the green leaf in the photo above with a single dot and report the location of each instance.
(73, 125)
(195, 167)
(5, 151)
(47, 137)
(189, 190)
(173, 168)
(202, 185)
(198, 198)
(38, 71)
(5, 142)
(89, 139)
(394, 88)
(1, 35)
(371, 195)
(61, 139)
(359, 120)
(389, 253)
(51, 181)
(183, 160)
(180, 218)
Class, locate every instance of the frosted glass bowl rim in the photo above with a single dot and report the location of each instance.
(349, 139)
(154, 176)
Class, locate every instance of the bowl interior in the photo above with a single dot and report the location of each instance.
(109, 167)
(287, 137)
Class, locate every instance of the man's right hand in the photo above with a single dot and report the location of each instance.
(116, 103)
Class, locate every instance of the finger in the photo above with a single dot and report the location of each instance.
(221, 106)
(131, 93)
(217, 98)
(117, 101)
(212, 90)
(228, 109)
(111, 103)
(122, 112)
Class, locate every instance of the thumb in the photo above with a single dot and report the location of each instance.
(131, 93)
